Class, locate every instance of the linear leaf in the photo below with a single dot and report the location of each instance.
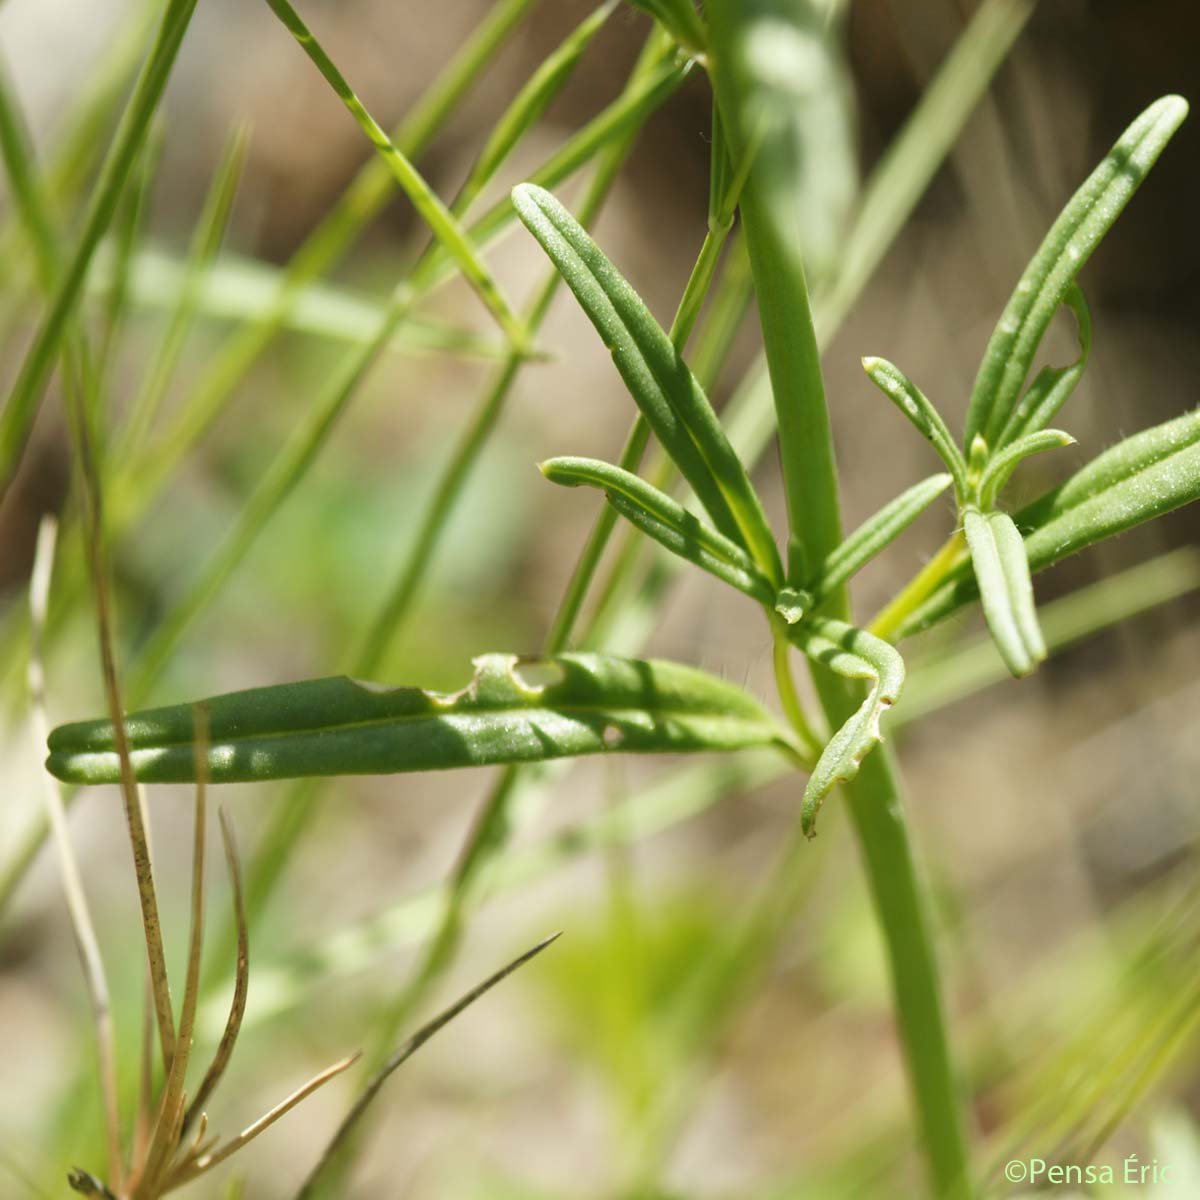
(1053, 385)
(665, 520)
(1072, 238)
(876, 533)
(437, 216)
(551, 76)
(513, 710)
(919, 409)
(1002, 573)
(1145, 476)
(1001, 466)
(657, 377)
(25, 397)
(854, 654)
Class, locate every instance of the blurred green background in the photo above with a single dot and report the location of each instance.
(1057, 815)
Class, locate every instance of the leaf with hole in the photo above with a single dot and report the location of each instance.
(1053, 385)
(513, 710)
(854, 654)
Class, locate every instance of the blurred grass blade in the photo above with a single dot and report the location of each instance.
(25, 188)
(547, 81)
(853, 654)
(25, 397)
(340, 1139)
(665, 520)
(436, 215)
(129, 228)
(1002, 573)
(1001, 466)
(241, 986)
(172, 1104)
(1083, 222)
(191, 1168)
(680, 19)
(1053, 385)
(186, 297)
(875, 534)
(914, 404)
(1143, 477)
(281, 477)
(82, 925)
(237, 289)
(588, 704)
(657, 377)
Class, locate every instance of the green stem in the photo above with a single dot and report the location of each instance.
(806, 447)
(920, 587)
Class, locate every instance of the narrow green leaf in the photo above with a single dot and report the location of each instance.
(1001, 466)
(26, 394)
(657, 377)
(914, 404)
(876, 533)
(1083, 222)
(513, 710)
(1053, 385)
(527, 107)
(854, 654)
(680, 19)
(186, 296)
(1002, 573)
(665, 520)
(436, 215)
(239, 289)
(1145, 476)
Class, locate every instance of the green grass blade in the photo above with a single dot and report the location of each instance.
(913, 403)
(436, 215)
(917, 152)
(656, 375)
(511, 711)
(280, 479)
(129, 228)
(21, 408)
(666, 521)
(1053, 385)
(31, 206)
(1001, 466)
(875, 534)
(236, 289)
(527, 108)
(1087, 217)
(1002, 574)
(369, 191)
(853, 654)
(186, 303)
(1143, 477)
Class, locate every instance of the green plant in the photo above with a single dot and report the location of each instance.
(562, 703)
